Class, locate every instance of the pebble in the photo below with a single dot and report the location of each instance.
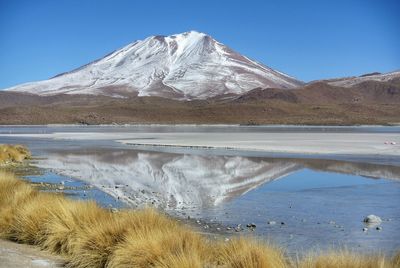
(365, 229)
(379, 228)
(373, 219)
(251, 225)
(238, 228)
(282, 223)
(271, 222)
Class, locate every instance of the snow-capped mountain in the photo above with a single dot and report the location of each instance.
(190, 65)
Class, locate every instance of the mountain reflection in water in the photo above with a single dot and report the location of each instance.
(178, 181)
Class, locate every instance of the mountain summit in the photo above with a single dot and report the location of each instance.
(190, 65)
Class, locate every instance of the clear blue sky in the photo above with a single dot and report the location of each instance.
(306, 39)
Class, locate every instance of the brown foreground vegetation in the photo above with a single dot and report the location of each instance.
(10, 154)
(87, 235)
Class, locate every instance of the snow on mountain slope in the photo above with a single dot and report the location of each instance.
(352, 81)
(190, 65)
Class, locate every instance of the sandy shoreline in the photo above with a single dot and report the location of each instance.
(26, 256)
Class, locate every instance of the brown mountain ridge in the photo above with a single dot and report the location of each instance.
(366, 102)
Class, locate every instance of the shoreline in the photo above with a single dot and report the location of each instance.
(308, 141)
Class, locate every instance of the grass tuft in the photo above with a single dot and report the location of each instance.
(13, 153)
(345, 259)
(241, 253)
(13, 193)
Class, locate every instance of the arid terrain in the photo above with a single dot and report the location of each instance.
(370, 102)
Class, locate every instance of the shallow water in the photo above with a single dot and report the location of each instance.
(321, 202)
(75, 189)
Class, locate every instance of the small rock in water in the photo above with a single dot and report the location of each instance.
(379, 228)
(238, 228)
(251, 225)
(271, 222)
(372, 219)
(282, 223)
(365, 229)
(228, 228)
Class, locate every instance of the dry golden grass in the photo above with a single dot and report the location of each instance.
(158, 248)
(30, 218)
(13, 153)
(396, 260)
(346, 259)
(66, 222)
(90, 236)
(241, 253)
(13, 193)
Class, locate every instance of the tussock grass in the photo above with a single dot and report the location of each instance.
(66, 222)
(396, 260)
(158, 248)
(13, 153)
(346, 259)
(90, 236)
(30, 218)
(241, 253)
(13, 193)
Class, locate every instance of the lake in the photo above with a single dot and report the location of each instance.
(301, 201)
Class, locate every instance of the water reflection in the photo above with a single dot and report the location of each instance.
(182, 181)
